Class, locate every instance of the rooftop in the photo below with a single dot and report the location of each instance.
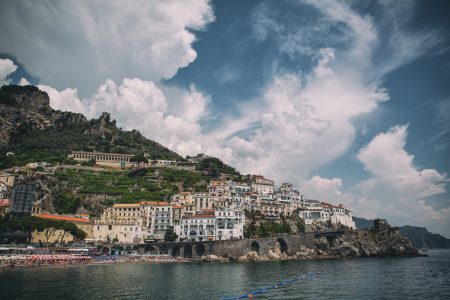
(127, 205)
(64, 218)
(154, 203)
(102, 153)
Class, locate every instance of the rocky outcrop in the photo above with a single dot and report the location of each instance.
(366, 243)
(25, 114)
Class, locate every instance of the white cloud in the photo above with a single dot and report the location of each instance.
(168, 115)
(298, 123)
(396, 189)
(89, 42)
(7, 67)
(23, 81)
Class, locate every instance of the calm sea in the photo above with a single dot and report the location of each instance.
(368, 278)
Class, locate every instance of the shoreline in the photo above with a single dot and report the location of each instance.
(22, 262)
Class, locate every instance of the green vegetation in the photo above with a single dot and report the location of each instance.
(300, 225)
(214, 167)
(65, 203)
(30, 224)
(71, 132)
(139, 158)
(265, 229)
(89, 163)
(170, 235)
(126, 187)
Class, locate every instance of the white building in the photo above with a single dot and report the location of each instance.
(337, 215)
(198, 227)
(229, 224)
(311, 211)
(156, 218)
(262, 186)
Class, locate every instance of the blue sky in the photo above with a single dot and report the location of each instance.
(349, 100)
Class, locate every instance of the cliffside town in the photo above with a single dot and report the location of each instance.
(118, 187)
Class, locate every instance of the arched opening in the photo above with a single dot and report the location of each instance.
(128, 250)
(255, 247)
(149, 249)
(105, 250)
(176, 251)
(283, 245)
(188, 251)
(200, 250)
(163, 249)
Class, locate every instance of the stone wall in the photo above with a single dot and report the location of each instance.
(289, 244)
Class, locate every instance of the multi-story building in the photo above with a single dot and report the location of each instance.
(119, 223)
(229, 224)
(22, 200)
(311, 211)
(261, 185)
(337, 215)
(203, 201)
(198, 227)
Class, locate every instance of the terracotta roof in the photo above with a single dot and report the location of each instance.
(127, 205)
(154, 203)
(325, 204)
(203, 216)
(177, 206)
(64, 218)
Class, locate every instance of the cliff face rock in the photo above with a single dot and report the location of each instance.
(366, 243)
(26, 108)
(33, 131)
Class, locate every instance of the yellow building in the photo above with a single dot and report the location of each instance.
(55, 237)
(7, 179)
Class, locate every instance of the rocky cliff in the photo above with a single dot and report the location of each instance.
(366, 243)
(33, 131)
(417, 235)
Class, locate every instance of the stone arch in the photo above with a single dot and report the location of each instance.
(150, 249)
(176, 251)
(283, 245)
(128, 250)
(106, 250)
(188, 251)
(255, 247)
(200, 250)
(163, 249)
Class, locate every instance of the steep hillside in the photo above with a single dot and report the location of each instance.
(33, 131)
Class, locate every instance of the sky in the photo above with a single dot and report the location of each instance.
(348, 100)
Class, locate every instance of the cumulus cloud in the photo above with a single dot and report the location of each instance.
(168, 115)
(90, 42)
(300, 121)
(396, 189)
(7, 67)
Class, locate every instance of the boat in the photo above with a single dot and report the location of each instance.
(424, 249)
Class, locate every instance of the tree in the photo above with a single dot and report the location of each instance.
(89, 163)
(67, 227)
(170, 235)
(138, 158)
